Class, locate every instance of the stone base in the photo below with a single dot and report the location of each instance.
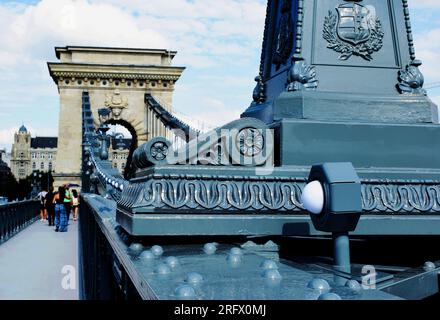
(63, 178)
(378, 151)
(334, 106)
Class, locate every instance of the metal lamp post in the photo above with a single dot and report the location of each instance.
(104, 114)
(333, 198)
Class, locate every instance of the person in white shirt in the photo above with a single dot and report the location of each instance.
(42, 197)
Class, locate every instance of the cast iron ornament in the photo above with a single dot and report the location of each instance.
(354, 31)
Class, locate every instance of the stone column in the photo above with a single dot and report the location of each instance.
(117, 79)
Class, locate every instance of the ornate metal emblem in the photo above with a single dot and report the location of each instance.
(354, 30)
(159, 151)
(116, 103)
(250, 142)
(284, 39)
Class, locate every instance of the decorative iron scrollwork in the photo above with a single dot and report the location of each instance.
(302, 76)
(396, 198)
(247, 193)
(411, 80)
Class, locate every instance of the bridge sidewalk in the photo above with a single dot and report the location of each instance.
(32, 262)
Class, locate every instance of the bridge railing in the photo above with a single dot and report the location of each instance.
(16, 216)
(102, 275)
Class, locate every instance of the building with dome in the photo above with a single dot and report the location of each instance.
(40, 154)
(32, 154)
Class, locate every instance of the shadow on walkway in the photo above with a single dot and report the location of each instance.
(38, 262)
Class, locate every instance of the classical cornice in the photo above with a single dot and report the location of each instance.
(59, 71)
(59, 50)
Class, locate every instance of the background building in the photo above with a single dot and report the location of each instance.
(21, 154)
(40, 154)
(32, 154)
(119, 152)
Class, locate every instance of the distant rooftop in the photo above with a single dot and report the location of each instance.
(120, 56)
(44, 143)
(125, 142)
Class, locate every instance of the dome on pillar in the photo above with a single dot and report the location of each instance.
(23, 130)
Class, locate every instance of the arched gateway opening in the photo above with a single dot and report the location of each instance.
(124, 143)
(114, 78)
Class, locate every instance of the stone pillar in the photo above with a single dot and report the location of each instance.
(117, 79)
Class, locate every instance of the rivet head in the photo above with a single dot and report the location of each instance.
(136, 247)
(157, 251)
(194, 278)
(269, 265)
(429, 266)
(147, 255)
(210, 249)
(185, 292)
(272, 274)
(234, 260)
(329, 296)
(320, 285)
(236, 251)
(172, 262)
(353, 285)
(163, 269)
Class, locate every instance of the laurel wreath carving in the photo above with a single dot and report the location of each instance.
(364, 50)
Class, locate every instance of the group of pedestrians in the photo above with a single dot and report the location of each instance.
(57, 207)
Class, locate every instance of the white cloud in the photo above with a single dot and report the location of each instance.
(436, 100)
(7, 137)
(424, 4)
(428, 50)
(212, 113)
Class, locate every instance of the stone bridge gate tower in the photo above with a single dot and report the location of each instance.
(115, 78)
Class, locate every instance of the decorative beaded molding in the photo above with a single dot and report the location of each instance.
(299, 28)
(98, 75)
(412, 51)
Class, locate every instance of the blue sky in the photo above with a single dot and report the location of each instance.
(219, 41)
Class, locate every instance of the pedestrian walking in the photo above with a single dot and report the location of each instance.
(61, 222)
(41, 196)
(67, 201)
(50, 207)
(75, 204)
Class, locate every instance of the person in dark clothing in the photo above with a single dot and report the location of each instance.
(61, 222)
(50, 207)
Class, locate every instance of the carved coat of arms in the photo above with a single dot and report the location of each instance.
(116, 103)
(354, 29)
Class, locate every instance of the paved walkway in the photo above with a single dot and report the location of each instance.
(32, 263)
